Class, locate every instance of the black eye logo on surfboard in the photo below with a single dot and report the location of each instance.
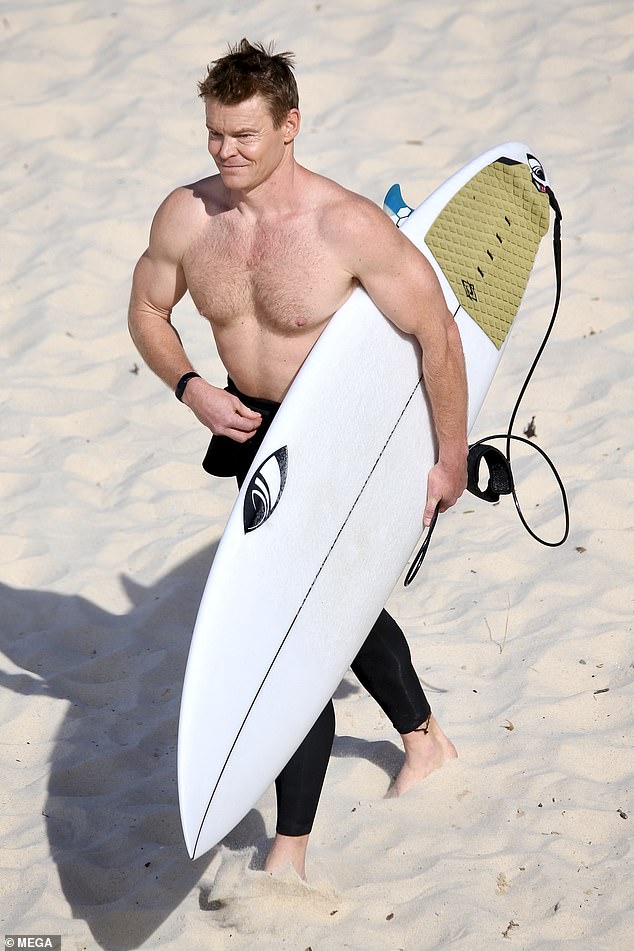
(265, 489)
(540, 180)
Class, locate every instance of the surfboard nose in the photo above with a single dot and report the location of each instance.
(194, 804)
(207, 818)
(215, 791)
(189, 837)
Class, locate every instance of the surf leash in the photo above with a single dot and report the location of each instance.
(498, 463)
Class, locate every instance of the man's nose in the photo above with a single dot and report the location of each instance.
(227, 147)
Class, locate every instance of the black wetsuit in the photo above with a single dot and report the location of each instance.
(383, 665)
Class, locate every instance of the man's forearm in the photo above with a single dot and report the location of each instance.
(159, 344)
(446, 385)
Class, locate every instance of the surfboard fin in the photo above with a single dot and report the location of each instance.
(395, 206)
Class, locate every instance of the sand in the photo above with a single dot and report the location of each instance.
(110, 524)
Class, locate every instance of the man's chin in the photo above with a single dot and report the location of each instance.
(238, 179)
(235, 176)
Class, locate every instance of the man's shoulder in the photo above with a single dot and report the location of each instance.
(190, 201)
(331, 195)
(348, 216)
(184, 212)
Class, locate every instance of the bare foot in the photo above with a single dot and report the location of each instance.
(424, 752)
(287, 850)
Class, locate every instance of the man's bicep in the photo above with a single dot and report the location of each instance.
(157, 285)
(159, 281)
(396, 275)
(403, 285)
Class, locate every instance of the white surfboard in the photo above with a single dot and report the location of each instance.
(332, 506)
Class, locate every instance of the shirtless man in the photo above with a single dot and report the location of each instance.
(268, 251)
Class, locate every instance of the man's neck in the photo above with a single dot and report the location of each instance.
(274, 197)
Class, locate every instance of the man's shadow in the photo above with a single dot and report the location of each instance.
(112, 811)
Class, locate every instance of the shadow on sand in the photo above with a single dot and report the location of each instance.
(111, 811)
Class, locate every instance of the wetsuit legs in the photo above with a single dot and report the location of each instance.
(299, 785)
(384, 667)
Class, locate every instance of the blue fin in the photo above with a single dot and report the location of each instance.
(395, 206)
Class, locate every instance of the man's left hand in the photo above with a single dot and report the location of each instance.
(445, 484)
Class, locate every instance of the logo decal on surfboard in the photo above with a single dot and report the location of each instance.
(540, 180)
(265, 489)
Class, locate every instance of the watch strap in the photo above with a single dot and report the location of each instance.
(182, 383)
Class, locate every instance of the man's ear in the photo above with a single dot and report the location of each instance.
(291, 125)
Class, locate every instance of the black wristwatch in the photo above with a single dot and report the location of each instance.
(182, 383)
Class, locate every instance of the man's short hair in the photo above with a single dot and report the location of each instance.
(249, 70)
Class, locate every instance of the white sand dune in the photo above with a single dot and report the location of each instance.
(110, 524)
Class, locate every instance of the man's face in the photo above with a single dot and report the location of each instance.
(244, 143)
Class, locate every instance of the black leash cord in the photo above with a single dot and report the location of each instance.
(501, 480)
(422, 551)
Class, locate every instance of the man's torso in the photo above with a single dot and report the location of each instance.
(267, 286)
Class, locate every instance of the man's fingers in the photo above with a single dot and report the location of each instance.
(246, 412)
(244, 419)
(238, 435)
(434, 496)
(241, 428)
(430, 511)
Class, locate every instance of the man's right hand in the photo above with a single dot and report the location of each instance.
(221, 412)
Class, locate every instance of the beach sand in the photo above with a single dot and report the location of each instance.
(110, 524)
